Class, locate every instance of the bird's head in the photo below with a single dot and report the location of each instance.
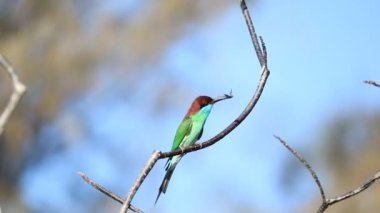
(204, 103)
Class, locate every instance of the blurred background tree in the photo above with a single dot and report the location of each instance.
(346, 157)
(64, 50)
(108, 82)
(352, 147)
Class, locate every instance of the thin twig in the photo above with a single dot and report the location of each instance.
(252, 32)
(101, 188)
(265, 56)
(106, 191)
(374, 83)
(351, 193)
(145, 171)
(18, 91)
(307, 165)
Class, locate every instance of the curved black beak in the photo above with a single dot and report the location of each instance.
(221, 98)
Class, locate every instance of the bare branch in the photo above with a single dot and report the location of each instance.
(262, 57)
(207, 143)
(307, 166)
(374, 83)
(18, 91)
(265, 56)
(229, 128)
(145, 171)
(259, 49)
(106, 192)
(326, 202)
(351, 193)
(356, 191)
(261, 53)
(101, 188)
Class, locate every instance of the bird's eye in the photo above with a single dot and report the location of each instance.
(203, 105)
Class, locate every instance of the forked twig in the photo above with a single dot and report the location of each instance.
(18, 91)
(361, 188)
(326, 202)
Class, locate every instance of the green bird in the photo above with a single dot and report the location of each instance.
(189, 131)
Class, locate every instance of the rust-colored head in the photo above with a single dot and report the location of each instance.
(202, 101)
(198, 103)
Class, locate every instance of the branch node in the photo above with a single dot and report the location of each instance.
(140, 179)
(18, 91)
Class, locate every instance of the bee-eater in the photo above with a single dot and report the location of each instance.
(188, 132)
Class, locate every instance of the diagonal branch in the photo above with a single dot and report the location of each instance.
(107, 192)
(358, 190)
(349, 194)
(262, 57)
(229, 128)
(259, 49)
(160, 155)
(145, 171)
(18, 91)
(307, 166)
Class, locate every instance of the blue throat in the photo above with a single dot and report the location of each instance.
(206, 109)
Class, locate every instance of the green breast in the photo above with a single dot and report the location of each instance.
(198, 121)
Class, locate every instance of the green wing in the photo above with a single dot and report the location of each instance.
(183, 130)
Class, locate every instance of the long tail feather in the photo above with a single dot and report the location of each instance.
(170, 166)
(165, 182)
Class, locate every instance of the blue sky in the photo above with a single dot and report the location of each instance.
(319, 53)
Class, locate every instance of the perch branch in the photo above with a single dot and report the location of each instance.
(160, 155)
(229, 128)
(145, 171)
(262, 57)
(106, 191)
(261, 53)
(18, 91)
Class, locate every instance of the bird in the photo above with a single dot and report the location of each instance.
(188, 132)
